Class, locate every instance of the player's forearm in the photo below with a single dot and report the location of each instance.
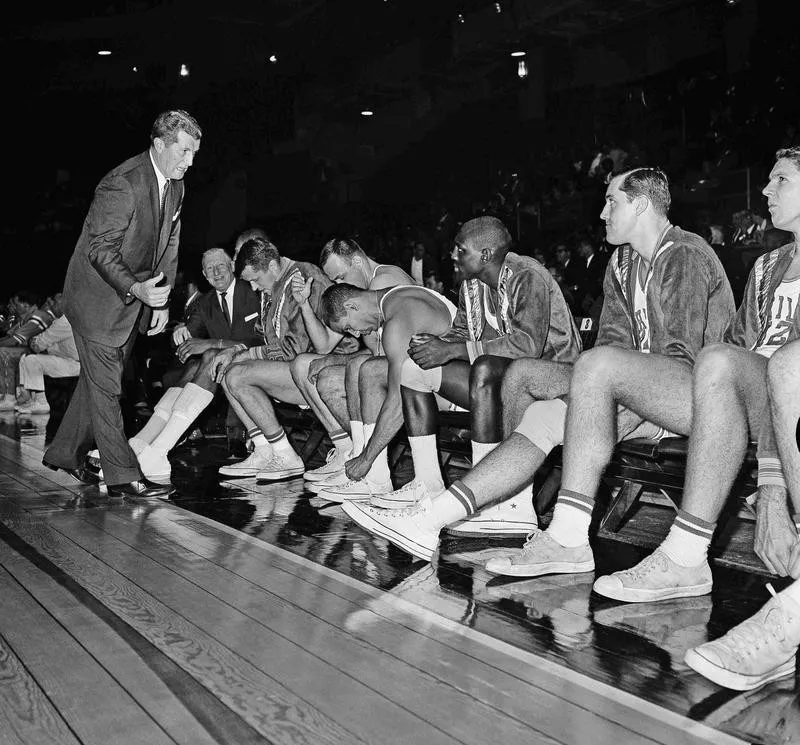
(320, 335)
(387, 425)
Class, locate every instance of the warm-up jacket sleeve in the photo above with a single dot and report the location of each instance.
(615, 319)
(686, 285)
(528, 320)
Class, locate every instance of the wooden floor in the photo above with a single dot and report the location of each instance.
(259, 614)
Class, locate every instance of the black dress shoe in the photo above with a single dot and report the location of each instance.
(81, 473)
(143, 488)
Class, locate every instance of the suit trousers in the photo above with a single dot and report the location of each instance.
(94, 414)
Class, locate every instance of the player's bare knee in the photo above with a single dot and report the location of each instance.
(486, 373)
(716, 362)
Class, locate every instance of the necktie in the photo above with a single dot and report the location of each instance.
(163, 204)
(225, 311)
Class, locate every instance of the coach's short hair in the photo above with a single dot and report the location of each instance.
(333, 300)
(169, 123)
(646, 182)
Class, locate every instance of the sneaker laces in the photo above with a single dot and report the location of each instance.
(643, 568)
(531, 540)
(748, 638)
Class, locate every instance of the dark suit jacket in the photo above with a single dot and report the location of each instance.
(207, 322)
(120, 244)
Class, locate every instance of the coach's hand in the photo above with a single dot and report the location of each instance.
(429, 351)
(151, 294)
(158, 321)
(776, 536)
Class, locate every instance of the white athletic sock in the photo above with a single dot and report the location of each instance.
(572, 516)
(357, 435)
(379, 470)
(280, 442)
(161, 414)
(452, 505)
(187, 407)
(688, 540)
(426, 462)
(480, 450)
(341, 441)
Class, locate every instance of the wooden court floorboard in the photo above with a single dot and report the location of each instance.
(143, 622)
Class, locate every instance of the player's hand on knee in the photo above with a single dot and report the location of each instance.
(776, 535)
(317, 366)
(220, 364)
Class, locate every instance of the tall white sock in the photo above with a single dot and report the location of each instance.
(480, 450)
(688, 539)
(161, 414)
(426, 462)
(379, 471)
(280, 442)
(357, 435)
(192, 400)
(572, 516)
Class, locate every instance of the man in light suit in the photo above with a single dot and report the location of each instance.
(123, 266)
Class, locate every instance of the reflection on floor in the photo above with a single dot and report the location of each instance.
(636, 648)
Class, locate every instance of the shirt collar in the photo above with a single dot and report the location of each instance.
(228, 288)
(160, 177)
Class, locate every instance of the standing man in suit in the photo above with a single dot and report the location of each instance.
(118, 282)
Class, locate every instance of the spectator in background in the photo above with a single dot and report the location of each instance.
(30, 321)
(557, 273)
(589, 274)
(54, 355)
(417, 260)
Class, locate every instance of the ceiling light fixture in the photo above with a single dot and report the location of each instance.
(498, 7)
(518, 53)
(184, 71)
(522, 69)
(367, 112)
(104, 52)
(460, 18)
(273, 59)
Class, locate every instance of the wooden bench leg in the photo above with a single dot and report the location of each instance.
(620, 506)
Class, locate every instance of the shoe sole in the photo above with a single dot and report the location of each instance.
(391, 504)
(629, 595)
(734, 680)
(412, 547)
(342, 498)
(478, 530)
(278, 475)
(537, 570)
(238, 474)
(315, 476)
